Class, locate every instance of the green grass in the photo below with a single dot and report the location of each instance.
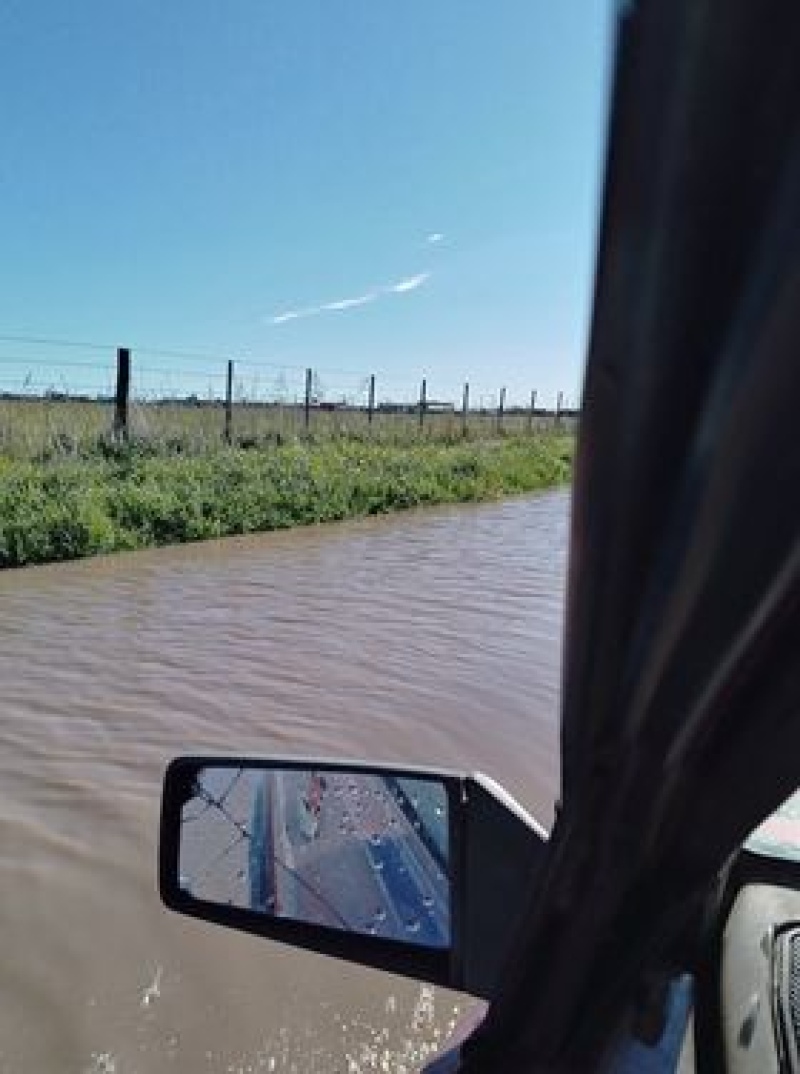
(134, 498)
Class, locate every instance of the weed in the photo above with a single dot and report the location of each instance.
(130, 497)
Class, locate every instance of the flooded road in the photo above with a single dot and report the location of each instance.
(427, 638)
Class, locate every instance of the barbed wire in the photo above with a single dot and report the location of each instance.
(42, 341)
(245, 366)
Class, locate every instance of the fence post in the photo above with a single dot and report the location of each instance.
(532, 412)
(229, 404)
(423, 401)
(559, 403)
(371, 404)
(501, 409)
(123, 393)
(307, 410)
(465, 409)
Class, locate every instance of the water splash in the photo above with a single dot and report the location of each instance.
(102, 1063)
(153, 991)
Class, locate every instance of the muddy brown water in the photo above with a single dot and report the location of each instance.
(432, 637)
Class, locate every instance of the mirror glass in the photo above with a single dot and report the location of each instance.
(356, 851)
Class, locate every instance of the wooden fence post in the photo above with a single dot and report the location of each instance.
(465, 409)
(229, 405)
(423, 402)
(501, 409)
(559, 404)
(371, 404)
(123, 394)
(532, 412)
(307, 411)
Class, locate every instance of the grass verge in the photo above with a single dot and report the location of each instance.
(73, 509)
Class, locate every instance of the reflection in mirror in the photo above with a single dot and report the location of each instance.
(356, 851)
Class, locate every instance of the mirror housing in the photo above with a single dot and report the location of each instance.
(492, 852)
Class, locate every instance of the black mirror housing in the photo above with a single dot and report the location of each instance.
(349, 847)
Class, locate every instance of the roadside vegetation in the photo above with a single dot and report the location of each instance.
(139, 494)
(46, 429)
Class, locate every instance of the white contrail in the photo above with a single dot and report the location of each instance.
(401, 287)
(410, 284)
(349, 303)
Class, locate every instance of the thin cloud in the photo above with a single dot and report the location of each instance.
(434, 237)
(325, 307)
(401, 287)
(410, 284)
(349, 303)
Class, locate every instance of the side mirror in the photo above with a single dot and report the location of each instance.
(415, 872)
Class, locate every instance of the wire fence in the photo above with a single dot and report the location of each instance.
(61, 398)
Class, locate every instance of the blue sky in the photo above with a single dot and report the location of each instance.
(418, 179)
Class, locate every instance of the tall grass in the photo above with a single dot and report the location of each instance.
(44, 429)
(133, 497)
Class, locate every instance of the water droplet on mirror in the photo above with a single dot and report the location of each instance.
(427, 901)
(439, 811)
(380, 914)
(413, 925)
(376, 840)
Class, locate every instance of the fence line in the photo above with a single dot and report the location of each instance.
(129, 410)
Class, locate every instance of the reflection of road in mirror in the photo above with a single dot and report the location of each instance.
(215, 836)
(352, 851)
